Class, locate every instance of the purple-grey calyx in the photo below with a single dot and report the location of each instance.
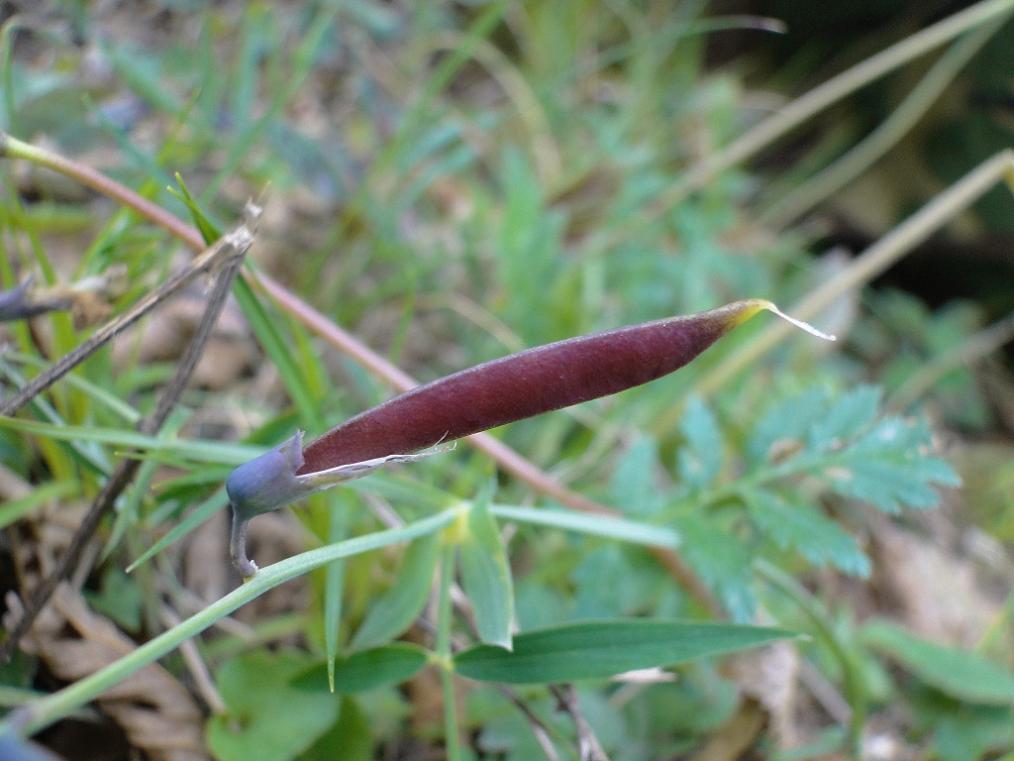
(17, 304)
(269, 482)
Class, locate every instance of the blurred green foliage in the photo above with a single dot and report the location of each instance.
(453, 182)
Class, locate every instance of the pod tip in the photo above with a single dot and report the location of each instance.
(805, 326)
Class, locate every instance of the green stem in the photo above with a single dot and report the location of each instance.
(40, 714)
(334, 583)
(854, 692)
(798, 465)
(853, 163)
(788, 118)
(443, 648)
(874, 260)
(970, 351)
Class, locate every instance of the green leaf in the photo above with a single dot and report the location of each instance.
(788, 420)
(15, 509)
(972, 732)
(403, 602)
(262, 322)
(269, 719)
(266, 327)
(195, 518)
(849, 415)
(722, 562)
(389, 664)
(798, 526)
(128, 510)
(119, 598)
(349, 739)
(601, 649)
(92, 390)
(88, 453)
(889, 468)
(191, 449)
(635, 584)
(886, 463)
(486, 574)
(607, 526)
(207, 228)
(633, 483)
(959, 673)
(700, 457)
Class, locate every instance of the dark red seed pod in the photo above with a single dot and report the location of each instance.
(523, 385)
(492, 394)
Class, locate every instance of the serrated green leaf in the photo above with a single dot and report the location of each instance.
(633, 483)
(798, 526)
(268, 718)
(366, 669)
(848, 416)
(959, 673)
(601, 649)
(722, 562)
(403, 602)
(787, 420)
(486, 575)
(888, 467)
(885, 463)
(700, 457)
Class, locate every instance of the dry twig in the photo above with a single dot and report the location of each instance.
(222, 251)
(228, 253)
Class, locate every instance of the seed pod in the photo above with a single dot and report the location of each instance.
(492, 394)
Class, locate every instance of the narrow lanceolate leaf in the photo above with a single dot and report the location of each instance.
(486, 575)
(601, 649)
(618, 529)
(390, 664)
(512, 388)
(334, 585)
(15, 509)
(959, 673)
(195, 518)
(395, 611)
